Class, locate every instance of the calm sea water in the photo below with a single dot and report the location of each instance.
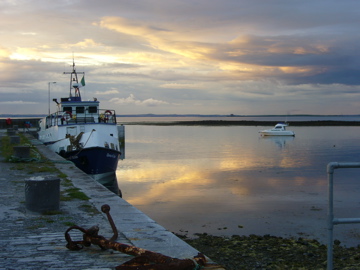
(229, 180)
(290, 118)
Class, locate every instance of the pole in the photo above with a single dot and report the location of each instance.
(49, 94)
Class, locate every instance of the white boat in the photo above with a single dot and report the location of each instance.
(278, 130)
(82, 132)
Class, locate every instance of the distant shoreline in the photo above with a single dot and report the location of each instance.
(34, 123)
(245, 123)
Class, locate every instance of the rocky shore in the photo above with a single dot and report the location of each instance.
(271, 252)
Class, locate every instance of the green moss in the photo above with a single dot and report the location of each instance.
(69, 223)
(66, 183)
(63, 176)
(35, 227)
(89, 209)
(50, 221)
(6, 147)
(73, 193)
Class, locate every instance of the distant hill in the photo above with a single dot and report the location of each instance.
(189, 115)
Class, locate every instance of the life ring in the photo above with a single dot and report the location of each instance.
(66, 116)
(108, 115)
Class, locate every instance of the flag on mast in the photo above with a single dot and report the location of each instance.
(83, 80)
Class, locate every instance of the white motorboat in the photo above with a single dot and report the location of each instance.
(82, 132)
(278, 130)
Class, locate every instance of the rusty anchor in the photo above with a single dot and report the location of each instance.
(144, 259)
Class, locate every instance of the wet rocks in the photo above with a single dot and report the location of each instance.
(271, 252)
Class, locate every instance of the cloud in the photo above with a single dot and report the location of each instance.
(292, 58)
(132, 100)
(18, 102)
(182, 85)
(156, 37)
(87, 43)
(230, 57)
(109, 92)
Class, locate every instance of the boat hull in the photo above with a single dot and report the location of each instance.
(278, 130)
(94, 160)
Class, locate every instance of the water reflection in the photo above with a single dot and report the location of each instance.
(280, 141)
(109, 181)
(206, 179)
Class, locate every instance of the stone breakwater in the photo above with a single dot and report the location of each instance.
(30, 240)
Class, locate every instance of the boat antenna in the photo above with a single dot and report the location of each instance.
(74, 79)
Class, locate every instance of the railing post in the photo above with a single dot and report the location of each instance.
(330, 225)
(331, 220)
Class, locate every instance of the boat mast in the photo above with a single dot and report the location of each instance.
(74, 82)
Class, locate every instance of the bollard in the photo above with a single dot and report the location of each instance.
(11, 132)
(42, 193)
(21, 151)
(14, 139)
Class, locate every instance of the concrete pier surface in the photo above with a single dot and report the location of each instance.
(30, 240)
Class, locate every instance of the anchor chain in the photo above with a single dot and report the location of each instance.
(144, 259)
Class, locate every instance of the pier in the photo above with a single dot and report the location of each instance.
(32, 240)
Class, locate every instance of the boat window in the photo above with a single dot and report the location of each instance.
(80, 109)
(93, 109)
(67, 109)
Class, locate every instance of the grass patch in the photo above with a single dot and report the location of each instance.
(6, 147)
(66, 182)
(89, 209)
(49, 221)
(18, 167)
(62, 175)
(73, 193)
(69, 223)
(46, 166)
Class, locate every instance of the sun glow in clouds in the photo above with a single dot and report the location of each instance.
(228, 58)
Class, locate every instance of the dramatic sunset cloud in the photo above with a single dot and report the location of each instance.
(183, 57)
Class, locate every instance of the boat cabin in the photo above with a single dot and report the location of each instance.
(280, 127)
(73, 111)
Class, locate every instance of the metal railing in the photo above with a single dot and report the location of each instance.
(331, 220)
(69, 118)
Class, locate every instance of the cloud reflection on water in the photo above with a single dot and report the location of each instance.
(207, 178)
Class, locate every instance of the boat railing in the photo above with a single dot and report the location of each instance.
(102, 116)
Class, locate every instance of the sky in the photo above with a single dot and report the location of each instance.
(243, 57)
